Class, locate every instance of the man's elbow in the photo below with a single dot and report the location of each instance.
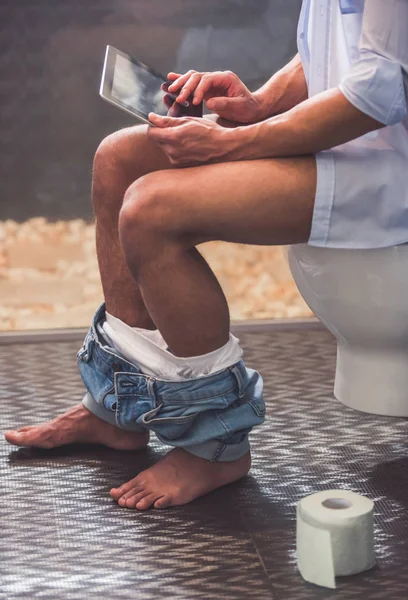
(375, 86)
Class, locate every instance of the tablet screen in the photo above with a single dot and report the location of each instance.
(137, 89)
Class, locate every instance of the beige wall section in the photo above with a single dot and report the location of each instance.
(49, 277)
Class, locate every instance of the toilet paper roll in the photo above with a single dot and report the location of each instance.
(335, 536)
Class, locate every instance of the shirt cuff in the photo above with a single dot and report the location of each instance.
(375, 86)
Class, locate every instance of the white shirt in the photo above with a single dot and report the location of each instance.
(360, 46)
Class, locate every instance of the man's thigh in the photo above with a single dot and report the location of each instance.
(138, 154)
(261, 202)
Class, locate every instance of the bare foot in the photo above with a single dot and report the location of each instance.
(77, 425)
(178, 479)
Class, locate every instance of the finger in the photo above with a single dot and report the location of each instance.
(232, 109)
(175, 110)
(202, 88)
(165, 88)
(188, 88)
(168, 101)
(176, 85)
(172, 76)
(220, 104)
(163, 122)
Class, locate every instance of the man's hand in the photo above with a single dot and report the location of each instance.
(222, 91)
(189, 141)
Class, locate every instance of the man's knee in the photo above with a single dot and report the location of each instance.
(146, 208)
(119, 148)
(116, 165)
(144, 200)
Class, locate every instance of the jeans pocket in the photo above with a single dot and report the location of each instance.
(258, 406)
(243, 413)
(130, 410)
(168, 426)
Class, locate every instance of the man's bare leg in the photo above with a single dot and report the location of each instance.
(120, 160)
(281, 197)
(165, 215)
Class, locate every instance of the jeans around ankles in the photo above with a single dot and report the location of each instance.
(210, 416)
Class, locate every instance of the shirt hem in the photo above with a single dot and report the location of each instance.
(354, 245)
(324, 199)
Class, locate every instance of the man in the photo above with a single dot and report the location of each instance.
(263, 174)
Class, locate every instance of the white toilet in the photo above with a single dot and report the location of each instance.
(362, 298)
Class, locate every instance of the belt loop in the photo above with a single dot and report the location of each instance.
(150, 388)
(100, 315)
(86, 351)
(241, 389)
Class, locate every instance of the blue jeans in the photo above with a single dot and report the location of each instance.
(210, 416)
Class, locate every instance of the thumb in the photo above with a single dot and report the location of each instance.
(160, 121)
(220, 104)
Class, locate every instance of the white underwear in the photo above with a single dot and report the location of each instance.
(148, 350)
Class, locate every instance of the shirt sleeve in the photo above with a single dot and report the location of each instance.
(377, 83)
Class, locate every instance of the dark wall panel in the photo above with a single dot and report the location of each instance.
(51, 54)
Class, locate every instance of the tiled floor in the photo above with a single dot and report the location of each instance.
(63, 538)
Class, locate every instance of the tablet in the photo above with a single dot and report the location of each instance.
(140, 90)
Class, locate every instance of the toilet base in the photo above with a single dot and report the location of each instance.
(372, 382)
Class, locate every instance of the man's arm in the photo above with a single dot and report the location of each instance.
(284, 90)
(370, 96)
(226, 95)
(324, 121)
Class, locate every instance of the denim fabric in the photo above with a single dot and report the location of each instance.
(209, 416)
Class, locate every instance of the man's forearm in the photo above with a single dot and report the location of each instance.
(324, 121)
(284, 90)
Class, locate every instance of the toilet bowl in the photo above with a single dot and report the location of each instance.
(361, 296)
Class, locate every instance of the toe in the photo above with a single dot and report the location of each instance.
(133, 492)
(17, 438)
(28, 428)
(124, 489)
(116, 493)
(133, 500)
(146, 502)
(164, 502)
(34, 437)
